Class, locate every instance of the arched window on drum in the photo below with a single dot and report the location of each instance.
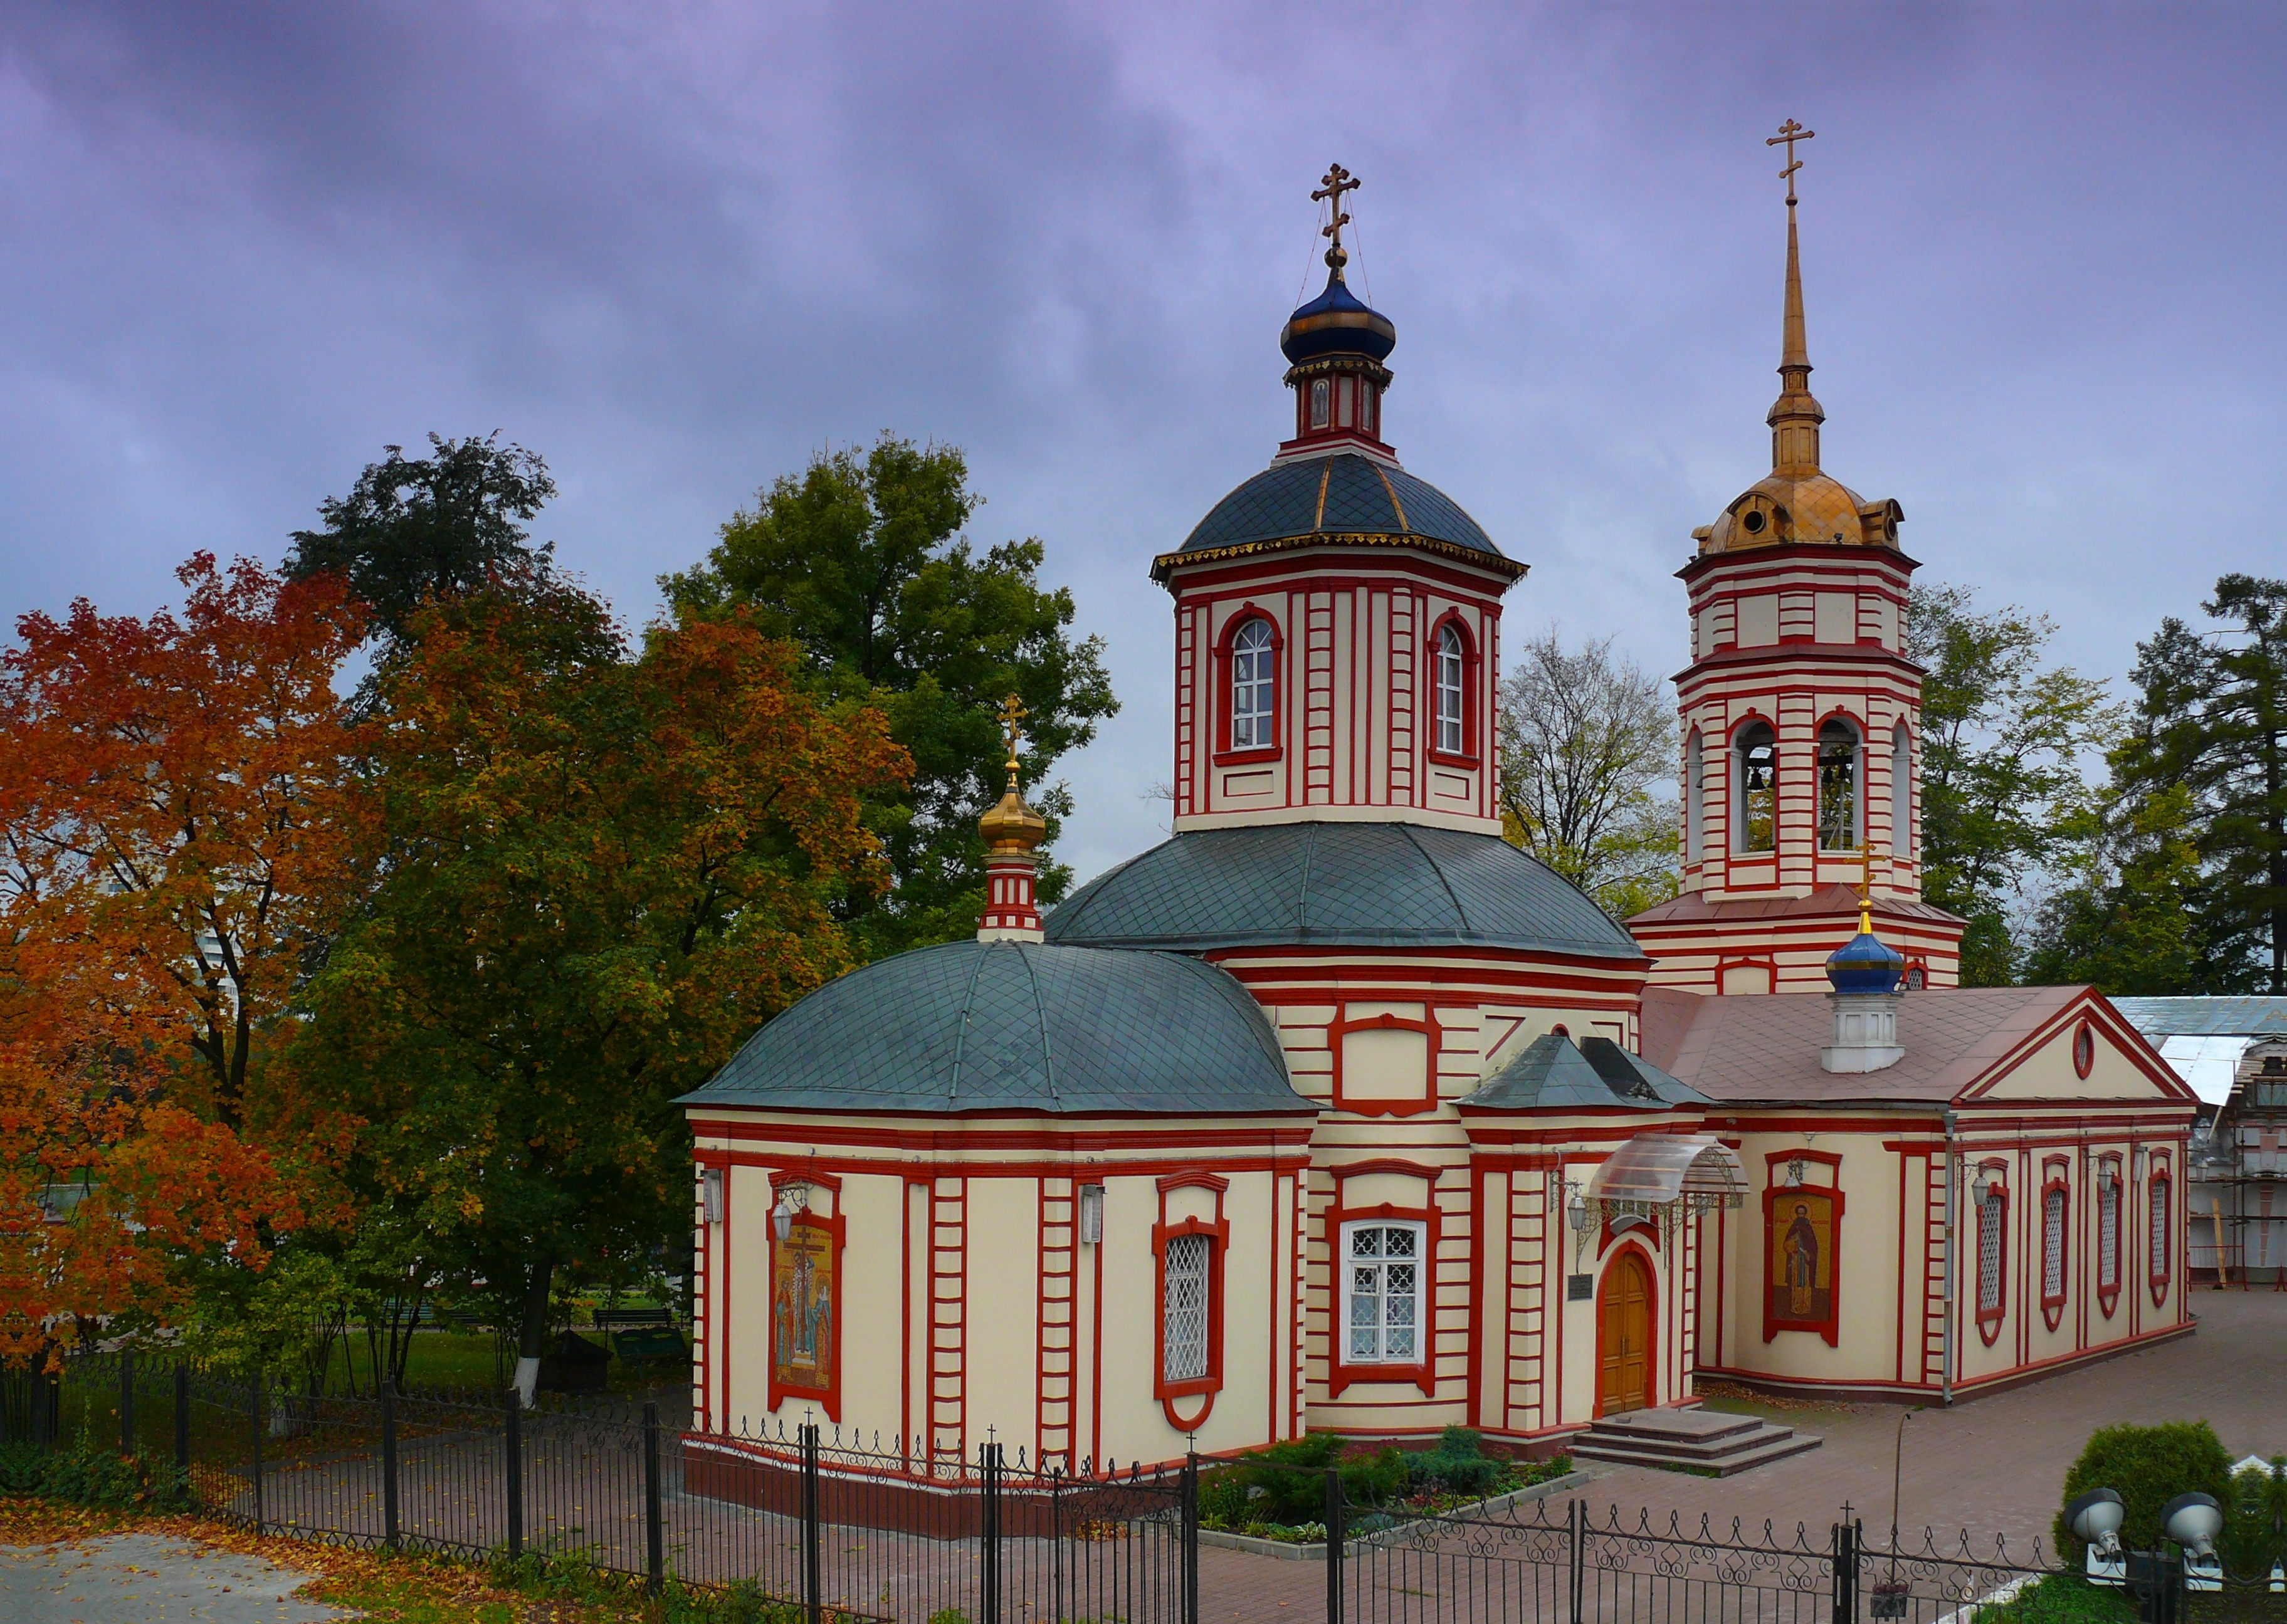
(1453, 679)
(1254, 687)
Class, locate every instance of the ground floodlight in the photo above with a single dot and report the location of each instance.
(2096, 1516)
(2193, 1521)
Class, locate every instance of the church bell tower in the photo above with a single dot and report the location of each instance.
(1801, 720)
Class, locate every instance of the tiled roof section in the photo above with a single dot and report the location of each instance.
(2230, 1016)
(1552, 1074)
(1356, 885)
(1837, 900)
(1764, 1046)
(1015, 1027)
(1362, 497)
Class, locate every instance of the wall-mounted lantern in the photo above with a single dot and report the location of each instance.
(1091, 1214)
(710, 1194)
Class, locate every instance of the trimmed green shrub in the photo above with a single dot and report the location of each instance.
(2148, 1467)
(1459, 1463)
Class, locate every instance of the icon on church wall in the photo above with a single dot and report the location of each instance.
(1799, 1224)
(805, 1299)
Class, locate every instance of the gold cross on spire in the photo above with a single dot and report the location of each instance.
(1866, 890)
(1012, 712)
(1338, 181)
(1790, 133)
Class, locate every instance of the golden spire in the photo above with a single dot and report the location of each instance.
(1011, 825)
(1795, 416)
(1338, 180)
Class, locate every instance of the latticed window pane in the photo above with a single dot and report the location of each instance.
(2052, 1244)
(1385, 1293)
(1254, 687)
(1183, 1358)
(1988, 1255)
(1450, 694)
(2107, 1236)
(2160, 1248)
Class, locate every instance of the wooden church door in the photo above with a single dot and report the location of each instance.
(1623, 1336)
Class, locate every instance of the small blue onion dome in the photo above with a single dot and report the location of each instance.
(1864, 964)
(1337, 322)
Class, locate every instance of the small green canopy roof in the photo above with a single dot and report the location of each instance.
(1010, 1026)
(1555, 1073)
(1356, 885)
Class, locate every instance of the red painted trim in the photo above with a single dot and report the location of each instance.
(1220, 674)
(1901, 1323)
(2053, 1181)
(1360, 569)
(1096, 1360)
(723, 1415)
(1989, 1320)
(1217, 1230)
(1830, 1327)
(828, 1396)
(1340, 1374)
(1471, 754)
(1473, 1367)
(1342, 1026)
(1630, 1247)
(2084, 1050)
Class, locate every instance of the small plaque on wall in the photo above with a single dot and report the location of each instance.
(1579, 1288)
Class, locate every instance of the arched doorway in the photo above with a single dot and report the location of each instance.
(1624, 1334)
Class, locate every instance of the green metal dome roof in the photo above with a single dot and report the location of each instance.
(1003, 1026)
(1355, 885)
(1345, 495)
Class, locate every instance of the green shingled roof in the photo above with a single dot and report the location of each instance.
(1359, 885)
(980, 1027)
(1553, 1074)
(1345, 495)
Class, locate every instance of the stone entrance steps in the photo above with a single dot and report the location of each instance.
(1690, 1441)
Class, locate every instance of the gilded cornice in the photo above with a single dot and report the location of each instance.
(1492, 564)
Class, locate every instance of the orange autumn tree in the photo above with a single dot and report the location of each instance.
(183, 827)
(608, 867)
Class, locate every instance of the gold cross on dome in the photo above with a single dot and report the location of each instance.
(1790, 133)
(1338, 180)
(1012, 712)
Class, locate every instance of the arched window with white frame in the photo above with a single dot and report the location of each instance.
(1254, 686)
(1451, 679)
(1837, 786)
(1754, 803)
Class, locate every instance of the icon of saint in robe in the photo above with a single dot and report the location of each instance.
(1801, 1262)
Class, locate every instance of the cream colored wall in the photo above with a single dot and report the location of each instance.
(1866, 1271)
(746, 1357)
(1004, 1313)
(2047, 1074)
(872, 1296)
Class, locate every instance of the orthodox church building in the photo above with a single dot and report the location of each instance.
(1337, 1111)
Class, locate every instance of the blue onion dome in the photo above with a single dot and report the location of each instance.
(1002, 1026)
(1864, 964)
(1337, 322)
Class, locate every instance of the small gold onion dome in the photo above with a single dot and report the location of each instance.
(1011, 825)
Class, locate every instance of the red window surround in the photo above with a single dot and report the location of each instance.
(2054, 1188)
(1217, 1230)
(1423, 1372)
(1343, 1025)
(2084, 1050)
(1467, 756)
(1996, 1214)
(1224, 755)
(828, 1398)
(1775, 1194)
(2163, 1241)
(2111, 1191)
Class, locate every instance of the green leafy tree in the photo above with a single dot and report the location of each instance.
(2185, 888)
(439, 525)
(2002, 739)
(1587, 742)
(606, 872)
(859, 560)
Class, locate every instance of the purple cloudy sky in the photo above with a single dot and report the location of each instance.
(676, 248)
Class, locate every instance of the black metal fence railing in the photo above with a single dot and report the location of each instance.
(855, 1531)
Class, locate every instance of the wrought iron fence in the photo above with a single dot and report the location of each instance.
(866, 1530)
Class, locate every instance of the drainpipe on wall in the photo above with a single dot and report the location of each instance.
(1952, 1198)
